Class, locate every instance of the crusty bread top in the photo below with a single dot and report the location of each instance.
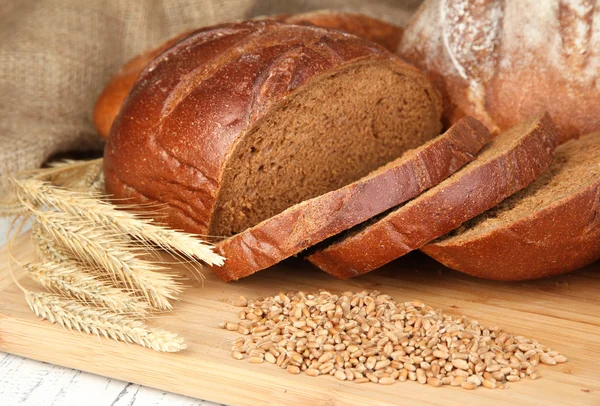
(110, 100)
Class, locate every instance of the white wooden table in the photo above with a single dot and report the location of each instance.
(24, 382)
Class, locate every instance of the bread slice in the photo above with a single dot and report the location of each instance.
(509, 163)
(551, 227)
(237, 122)
(314, 220)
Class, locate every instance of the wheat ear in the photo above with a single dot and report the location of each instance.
(74, 279)
(99, 212)
(96, 247)
(46, 246)
(74, 316)
(70, 174)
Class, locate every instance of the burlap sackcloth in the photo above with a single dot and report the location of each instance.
(56, 56)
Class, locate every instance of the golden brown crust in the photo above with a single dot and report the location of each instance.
(317, 219)
(110, 100)
(503, 61)
(468, 193)
(172, 138)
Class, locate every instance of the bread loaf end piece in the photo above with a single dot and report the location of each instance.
(509, 163)
(549, 228)
(314, 220)
(238, 122)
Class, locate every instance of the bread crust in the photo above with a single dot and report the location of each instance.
(314, 220)
(503, 61)
(173, 136)
(560, 238)
(110, 100)
(440, 210)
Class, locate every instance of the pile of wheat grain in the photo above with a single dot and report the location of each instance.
(97, 260)
(368, 337)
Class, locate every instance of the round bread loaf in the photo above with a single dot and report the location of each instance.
(238, 122)
(110, 100)
(502, 61)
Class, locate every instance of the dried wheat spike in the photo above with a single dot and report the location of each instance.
(97, 247)
(72, 315)
(90, 209)
(45, 246)
(74, 279)
(70, 174)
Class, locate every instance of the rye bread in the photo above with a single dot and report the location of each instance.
(507, 164)
(549, 228)
(238, 122)
(317, 219)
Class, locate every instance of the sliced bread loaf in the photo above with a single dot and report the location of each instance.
(551, 227)
(509, 163)
(238, 122)
(314, 220)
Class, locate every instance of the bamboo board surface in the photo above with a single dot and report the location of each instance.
(561, 312)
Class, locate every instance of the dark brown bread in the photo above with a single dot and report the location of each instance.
(110, 100)
(502, 61)
(509, 163)
(549, 228)
(317, 219)
(238, 122)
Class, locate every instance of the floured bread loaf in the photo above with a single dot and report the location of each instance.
(504, 60)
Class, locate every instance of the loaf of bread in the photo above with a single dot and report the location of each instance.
(110, 100)
(549, 228)
(509, 163)
(237, 122)
(502, 61)
(314, 220)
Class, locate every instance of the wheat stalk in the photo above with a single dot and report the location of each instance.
(96, 247)
(96, 211)
(74, 279)
(75, 316)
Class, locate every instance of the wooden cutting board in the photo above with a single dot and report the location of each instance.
(562, 312)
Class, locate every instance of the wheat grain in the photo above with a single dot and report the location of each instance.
(72, 278)
(74, 316)
(91, 209)
(369, 337)
(98, 248)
